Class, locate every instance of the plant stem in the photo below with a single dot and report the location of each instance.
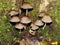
(26, 12)
(44, 26)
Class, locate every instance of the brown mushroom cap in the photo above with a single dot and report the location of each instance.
(25, 20)
(41, 14)
(39, 23)
(34, 27)
(26, 5)
(15, 19)
(47, 19)
(19, 26)
(13, 13)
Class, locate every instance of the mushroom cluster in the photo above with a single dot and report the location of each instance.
(14, 17)
(18, 21)
(45, 19)
(21, 22)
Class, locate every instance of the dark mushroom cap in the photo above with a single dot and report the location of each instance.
(15, 19)
(47, 19)
(19, 26)
(13, 13)
(25, 20)
(27, 6)
(39, 23)
(34, 27)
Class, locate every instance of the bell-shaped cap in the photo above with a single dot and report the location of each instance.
(25, 20)
(26, 5)
(39, 23)
(47, 19)
(34, 27)
(41, 14)
(19, 26)
(13, 13)
(15, 19)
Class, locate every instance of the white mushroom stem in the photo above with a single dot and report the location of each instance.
(20, 11)
(25, 27)
(26, 12)
(44, 26)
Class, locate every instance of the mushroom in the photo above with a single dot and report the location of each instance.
(20, 26)
(13, 13)
(27, 7)
(41, 14)
(41, 38)
(34, 27)
(47, 20)
(25, 20)
(14, 19)
(39, 23)
(32, 32)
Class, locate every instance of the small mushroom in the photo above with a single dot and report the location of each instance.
(34, 27)
(41, 14)
(20, 26)
(13, 13)
(25, 20)
(39, 23)
(41, 38)
(47, 20)
(32, 32)
(15, 19)
(27, 7)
